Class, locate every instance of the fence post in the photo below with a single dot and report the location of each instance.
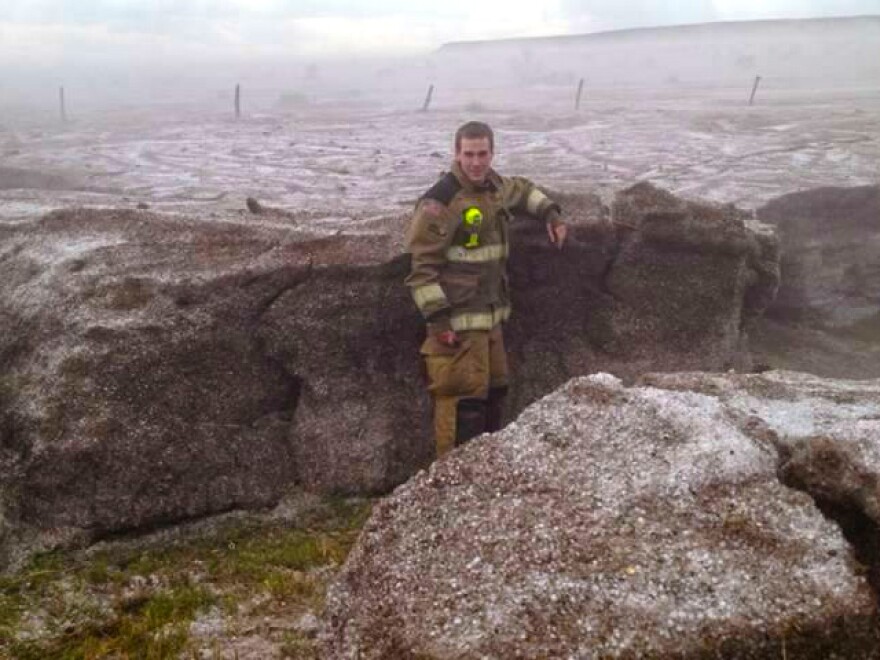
(428, 98)
(577, 99)
(754, 89)
(62, 110)
(237, 100)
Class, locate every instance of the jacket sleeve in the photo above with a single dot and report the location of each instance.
(523, 196)
(429, 237)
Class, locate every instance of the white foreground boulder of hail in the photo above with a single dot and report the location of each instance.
(615, 522)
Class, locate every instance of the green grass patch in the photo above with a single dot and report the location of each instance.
(297, 647)
(139, 602)
(11, 606)
(16, 591)
(156, 627)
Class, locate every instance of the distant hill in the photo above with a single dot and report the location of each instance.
(687, 31)
(833, 50)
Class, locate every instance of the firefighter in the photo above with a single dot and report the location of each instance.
(459, 243)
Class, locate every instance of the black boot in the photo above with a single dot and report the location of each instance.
(470, 420)
(495, 409)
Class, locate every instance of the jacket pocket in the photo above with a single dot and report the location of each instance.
(453, 370)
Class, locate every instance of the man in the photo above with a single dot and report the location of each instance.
(458, 240)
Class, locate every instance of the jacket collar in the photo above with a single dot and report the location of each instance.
(492, 183)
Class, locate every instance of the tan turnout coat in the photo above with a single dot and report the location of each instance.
(459, 243)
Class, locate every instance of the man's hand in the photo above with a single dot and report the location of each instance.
(557, 231)
(448, 338)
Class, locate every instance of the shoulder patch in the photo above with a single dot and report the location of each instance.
(444, 190)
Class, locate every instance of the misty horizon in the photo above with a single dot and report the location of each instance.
(827, 52)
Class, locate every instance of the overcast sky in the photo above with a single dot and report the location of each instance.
(48, 33)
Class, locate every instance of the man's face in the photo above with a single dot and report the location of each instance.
(474, 157)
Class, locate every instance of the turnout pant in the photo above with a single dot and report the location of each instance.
(468, 383)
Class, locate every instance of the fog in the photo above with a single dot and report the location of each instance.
(810, 53)
(807, 53)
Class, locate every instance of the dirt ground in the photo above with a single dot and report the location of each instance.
(352, 160)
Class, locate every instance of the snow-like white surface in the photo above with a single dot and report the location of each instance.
(378, 158)
(52, 252)
(819, 407)
(609, 521)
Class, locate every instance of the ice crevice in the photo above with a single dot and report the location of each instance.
(843, 492)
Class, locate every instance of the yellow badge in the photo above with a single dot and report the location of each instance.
(473, 219)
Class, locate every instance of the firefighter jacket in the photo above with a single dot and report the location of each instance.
(459, 243)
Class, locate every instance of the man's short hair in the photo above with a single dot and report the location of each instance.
(474, 130)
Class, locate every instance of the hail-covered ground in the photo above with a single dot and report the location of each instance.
(344, 159)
